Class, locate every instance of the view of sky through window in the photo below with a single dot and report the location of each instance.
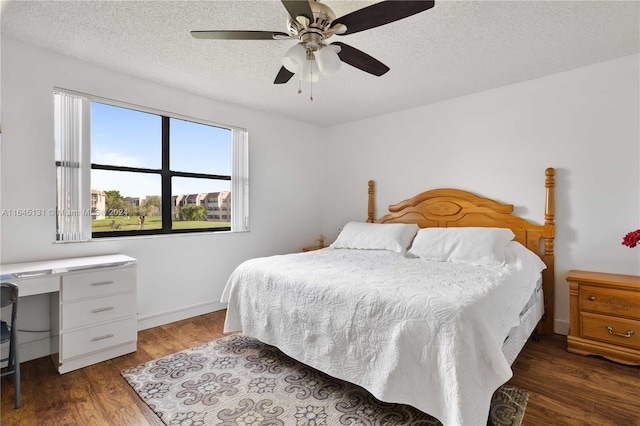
(124, 137)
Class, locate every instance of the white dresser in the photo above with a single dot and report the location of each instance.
(93, 305)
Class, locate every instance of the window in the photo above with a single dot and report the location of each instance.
(126, 170)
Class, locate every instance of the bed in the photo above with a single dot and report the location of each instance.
(405, 325)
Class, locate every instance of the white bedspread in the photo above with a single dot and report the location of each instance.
(427, 334)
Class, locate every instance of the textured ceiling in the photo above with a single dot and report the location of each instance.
(456, 48)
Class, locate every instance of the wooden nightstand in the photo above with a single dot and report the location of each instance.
(312, 248)
(605, 316)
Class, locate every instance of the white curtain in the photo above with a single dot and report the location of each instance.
(240, 180)
(72, 159)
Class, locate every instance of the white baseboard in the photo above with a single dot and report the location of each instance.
(30, 350)
(161, 318)
(561, 327)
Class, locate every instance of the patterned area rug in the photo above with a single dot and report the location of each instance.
(239, 380)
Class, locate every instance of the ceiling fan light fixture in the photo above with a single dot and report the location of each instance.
(295, 57)
(328, 60)
(310, 71)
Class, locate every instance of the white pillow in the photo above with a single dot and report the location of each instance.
(515, 252)
(476, 246)
(376, 236)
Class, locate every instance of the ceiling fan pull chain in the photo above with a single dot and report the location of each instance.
(299, 88)
(311, 87)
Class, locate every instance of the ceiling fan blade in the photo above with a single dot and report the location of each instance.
(283, 76)
(239, 35)
(359, 59)
(381, 13)
(297, 8)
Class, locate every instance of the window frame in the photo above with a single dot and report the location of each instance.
(238, 178)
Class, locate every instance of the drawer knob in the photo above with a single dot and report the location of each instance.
(628, 334)
(592, 298)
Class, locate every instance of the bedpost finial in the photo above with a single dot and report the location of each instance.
(549, 211)
(370, 210)
(550, 174)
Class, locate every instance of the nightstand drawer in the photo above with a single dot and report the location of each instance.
(619, 331)
(610, 301)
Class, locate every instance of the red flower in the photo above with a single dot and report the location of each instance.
(632, 238)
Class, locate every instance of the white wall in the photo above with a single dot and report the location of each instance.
(498, 143)
(178, 276)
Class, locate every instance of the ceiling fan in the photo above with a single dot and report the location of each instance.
(312, 23)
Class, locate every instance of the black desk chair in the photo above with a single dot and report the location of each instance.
(9, 333)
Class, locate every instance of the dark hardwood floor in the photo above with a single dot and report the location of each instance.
(564, 389)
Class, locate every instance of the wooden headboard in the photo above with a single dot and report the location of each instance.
(452, 207)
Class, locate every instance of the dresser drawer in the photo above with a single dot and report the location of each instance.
(91, 339)
(97, 283)
(610, 301)
(619, 331)
(93, 311)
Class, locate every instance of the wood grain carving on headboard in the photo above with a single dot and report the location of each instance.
(453, 208)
